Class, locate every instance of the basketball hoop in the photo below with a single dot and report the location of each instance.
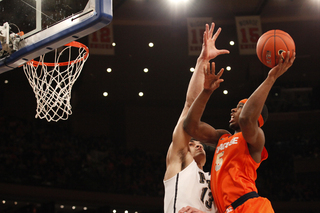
(52, 87)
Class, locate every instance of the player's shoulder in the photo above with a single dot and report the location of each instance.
(176, 164)
(223, 134)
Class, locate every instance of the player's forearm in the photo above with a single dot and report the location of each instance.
(256, 101)
(193, 119)
(196, 81)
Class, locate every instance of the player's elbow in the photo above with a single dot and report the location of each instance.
(246, 121)
(189, 127)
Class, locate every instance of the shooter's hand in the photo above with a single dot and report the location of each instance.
(282, 66)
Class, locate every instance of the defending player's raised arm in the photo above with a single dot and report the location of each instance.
(253, 107)
(193, 124)
(179, 147)
(208, 52)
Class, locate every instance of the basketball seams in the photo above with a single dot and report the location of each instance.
(274, 47)
(284, 42)
(280, 32)
(263, 47)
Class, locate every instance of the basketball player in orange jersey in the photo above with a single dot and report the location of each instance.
(184, 181)
(237, 156)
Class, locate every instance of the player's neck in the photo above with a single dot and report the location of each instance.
(237, 131)
(200, 166)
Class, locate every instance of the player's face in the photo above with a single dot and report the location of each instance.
(234, 120)
(197, 151)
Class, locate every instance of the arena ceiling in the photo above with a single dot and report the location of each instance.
(124, 114)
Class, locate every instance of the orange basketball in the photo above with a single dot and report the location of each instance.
(271, 44)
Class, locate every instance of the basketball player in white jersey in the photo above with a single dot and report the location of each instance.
(186, 184)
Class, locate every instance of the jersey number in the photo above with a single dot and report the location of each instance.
(208, 202)
(219, 161)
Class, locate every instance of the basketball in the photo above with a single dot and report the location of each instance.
(272, 44)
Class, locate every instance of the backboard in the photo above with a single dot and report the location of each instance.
(46, 25)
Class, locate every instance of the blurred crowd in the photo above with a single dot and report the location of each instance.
(33, 154)
(291, 172)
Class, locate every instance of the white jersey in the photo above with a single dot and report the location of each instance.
(190, 187)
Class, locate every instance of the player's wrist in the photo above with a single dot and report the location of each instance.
(202, 59)
(208, 90)
(271, 79)
(205, 55)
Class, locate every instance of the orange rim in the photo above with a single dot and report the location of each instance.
(72, 44)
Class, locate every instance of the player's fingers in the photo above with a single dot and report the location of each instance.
(221, 80)
(293, 57)
(218, 82)
(204, 40)
(211, 30)
(208, 69)
(220, 73)
(213, 67)
(280, 59)
(182, 210)
(280, 62)
(207, 31)
(186, 209)
(215, 36)
(287, 57)
(220, 52)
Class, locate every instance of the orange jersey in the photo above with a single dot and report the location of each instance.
(233, 171)
(254, 205)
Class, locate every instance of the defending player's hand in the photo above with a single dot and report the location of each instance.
(189, 209)
(282, 66)
(209, 50)
(211, 80)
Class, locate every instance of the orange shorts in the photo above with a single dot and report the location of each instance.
(255, 205)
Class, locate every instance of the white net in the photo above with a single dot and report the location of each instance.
(52, 87)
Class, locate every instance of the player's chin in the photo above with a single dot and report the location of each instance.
(202, 154)
(233, 126)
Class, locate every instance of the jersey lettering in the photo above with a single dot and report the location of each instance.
(202, 177)
(227, 144)
(206, 200)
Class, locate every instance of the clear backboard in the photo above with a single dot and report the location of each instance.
(46, 25)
